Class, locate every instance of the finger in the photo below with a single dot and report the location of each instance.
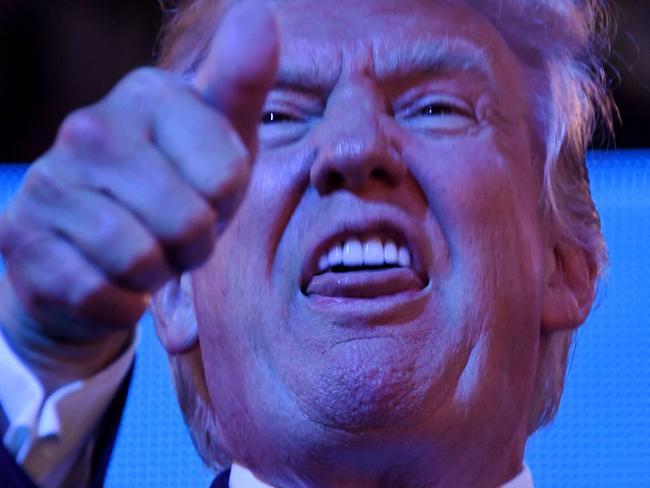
(111, 238)
(56, 283)
(241, 67)
(180, 219)
(197, 140)
(145, 185)
(205, 149)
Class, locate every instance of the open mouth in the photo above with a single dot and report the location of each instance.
(367, 264)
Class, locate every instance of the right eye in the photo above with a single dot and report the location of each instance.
(286, 117)
(281, 127)
(276, 117)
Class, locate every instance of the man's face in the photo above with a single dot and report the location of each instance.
(393, 125)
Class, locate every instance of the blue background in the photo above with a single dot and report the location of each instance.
(601, 435)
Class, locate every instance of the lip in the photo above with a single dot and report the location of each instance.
(365, 284)
(379, 283)
(359, 313)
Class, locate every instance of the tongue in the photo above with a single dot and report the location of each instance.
(365, 283)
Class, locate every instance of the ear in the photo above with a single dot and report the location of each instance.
(174, 317)
(569, 288)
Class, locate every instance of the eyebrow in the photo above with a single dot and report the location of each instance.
(441, 56)
(317, 70)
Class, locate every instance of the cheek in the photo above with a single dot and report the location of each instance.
(238, 309)
(236, 278)
(228, 314)
(485, 199)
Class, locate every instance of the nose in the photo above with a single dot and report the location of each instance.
(353, 147)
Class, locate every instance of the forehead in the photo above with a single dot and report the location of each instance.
(386, 35)
(355, 19)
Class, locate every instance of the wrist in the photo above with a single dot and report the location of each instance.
(53, 358)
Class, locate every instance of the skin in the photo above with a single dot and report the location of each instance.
(400, 389)
(363, 395)
(155, 169)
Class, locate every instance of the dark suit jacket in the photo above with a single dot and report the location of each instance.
(12, 475)
(221, 481)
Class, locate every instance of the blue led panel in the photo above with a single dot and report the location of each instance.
(601, 435)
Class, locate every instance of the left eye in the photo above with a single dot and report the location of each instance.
(437, 109)
(274, 117)
(439, 114)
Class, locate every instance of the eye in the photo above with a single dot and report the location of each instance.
(437, 109)
(276, 117)
(438, 113)
(281, 127)
(286, 117)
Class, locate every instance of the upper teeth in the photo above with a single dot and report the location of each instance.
(371, 252)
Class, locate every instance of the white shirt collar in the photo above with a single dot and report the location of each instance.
(44, 434)
(240, 477)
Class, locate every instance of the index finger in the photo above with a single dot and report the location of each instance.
(241, 67)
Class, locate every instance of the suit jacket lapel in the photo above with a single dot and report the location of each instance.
(221, 481)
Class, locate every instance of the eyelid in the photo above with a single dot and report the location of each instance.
(415, 104)
(291, 112)
(296, 105)
(301, 112)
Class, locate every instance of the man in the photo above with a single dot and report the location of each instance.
(365, 227)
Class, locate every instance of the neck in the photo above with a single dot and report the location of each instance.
(407, 465)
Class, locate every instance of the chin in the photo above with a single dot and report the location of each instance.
(363, 386)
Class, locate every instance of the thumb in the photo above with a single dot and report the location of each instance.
(241, 67)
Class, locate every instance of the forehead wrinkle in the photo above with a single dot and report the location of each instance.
(312, 68)
(423, 56)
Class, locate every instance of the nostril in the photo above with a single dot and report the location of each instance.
(380, 174)
(334, 180)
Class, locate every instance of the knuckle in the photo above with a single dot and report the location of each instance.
(161, 182)
(75, 281)
(85, 127)
(39, 293)
(189, 213)
(137, 249)
(146, 81)
(14, 238)
(106, 228)
(43, 184)
(144, 256)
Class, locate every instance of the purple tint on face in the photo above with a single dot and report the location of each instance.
(402, 122)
